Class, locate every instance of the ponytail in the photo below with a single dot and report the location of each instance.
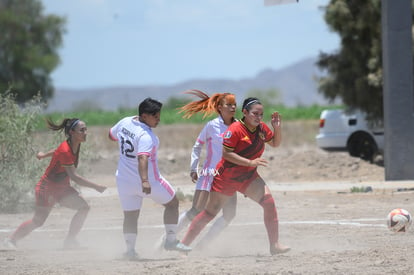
(206, 104)
(67, 124)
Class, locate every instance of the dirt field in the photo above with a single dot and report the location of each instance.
(330, 229)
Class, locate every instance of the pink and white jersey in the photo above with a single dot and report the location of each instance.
(135, 138)
(212, 137)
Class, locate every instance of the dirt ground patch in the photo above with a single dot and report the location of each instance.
(330, 229)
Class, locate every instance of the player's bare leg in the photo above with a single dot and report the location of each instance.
(229, 212)
(76, 202)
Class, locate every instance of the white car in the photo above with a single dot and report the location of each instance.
(340, 130)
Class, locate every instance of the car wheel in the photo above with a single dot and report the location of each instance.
(363, 146)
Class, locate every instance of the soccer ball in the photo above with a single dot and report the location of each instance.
(399, 220)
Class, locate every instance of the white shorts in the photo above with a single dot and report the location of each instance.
(131, 195)
(204, 183)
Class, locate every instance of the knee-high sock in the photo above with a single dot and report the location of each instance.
(130, 241)
(198, 223)
(270, 218)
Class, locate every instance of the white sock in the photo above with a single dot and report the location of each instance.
(183, 222)
(130, 240)
(214, 231)
(170, 232)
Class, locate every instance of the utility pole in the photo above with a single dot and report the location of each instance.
(398, 89)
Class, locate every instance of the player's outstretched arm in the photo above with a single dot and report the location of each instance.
(71, 171)
(242, 161)
(276, 121)
(42, 155)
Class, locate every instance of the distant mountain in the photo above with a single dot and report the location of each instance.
(296, 84)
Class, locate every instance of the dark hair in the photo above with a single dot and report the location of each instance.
(67, 124)
(149, 106)
(249, 102)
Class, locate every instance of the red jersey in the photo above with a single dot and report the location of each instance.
(55, 182)
(63, 156)
(245, 143)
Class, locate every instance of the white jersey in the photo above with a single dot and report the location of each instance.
(212, 137)
(134, 139)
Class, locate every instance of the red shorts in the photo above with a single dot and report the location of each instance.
(49, 193)
(228, 187)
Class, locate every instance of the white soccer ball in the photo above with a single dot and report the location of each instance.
(399, 220)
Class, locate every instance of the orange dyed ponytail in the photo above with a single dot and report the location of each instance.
(206, 104)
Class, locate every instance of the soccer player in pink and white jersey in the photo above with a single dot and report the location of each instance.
(138, 176)
(211, 136)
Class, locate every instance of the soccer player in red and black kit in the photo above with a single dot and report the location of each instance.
(243, 146)
(54, 185)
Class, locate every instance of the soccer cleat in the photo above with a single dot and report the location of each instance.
(9, 243)
(279, 249)
(131, 255)
(177, 246)
(71, 243)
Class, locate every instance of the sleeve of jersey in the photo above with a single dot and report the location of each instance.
(231, 137)
(113, 132)
(268, 133)
(197, 148)
(145, 145)
(66, 158)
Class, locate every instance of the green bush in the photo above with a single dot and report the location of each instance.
(361, 189)
(19, 168)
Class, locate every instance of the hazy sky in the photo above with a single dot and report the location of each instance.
(161, 42)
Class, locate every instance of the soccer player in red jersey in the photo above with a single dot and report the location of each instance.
(54, 185)
(243, 146)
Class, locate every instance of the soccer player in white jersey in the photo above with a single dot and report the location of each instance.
(211, 136)
(138, 176)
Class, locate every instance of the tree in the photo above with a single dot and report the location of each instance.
(28, 48)
(355, 71)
